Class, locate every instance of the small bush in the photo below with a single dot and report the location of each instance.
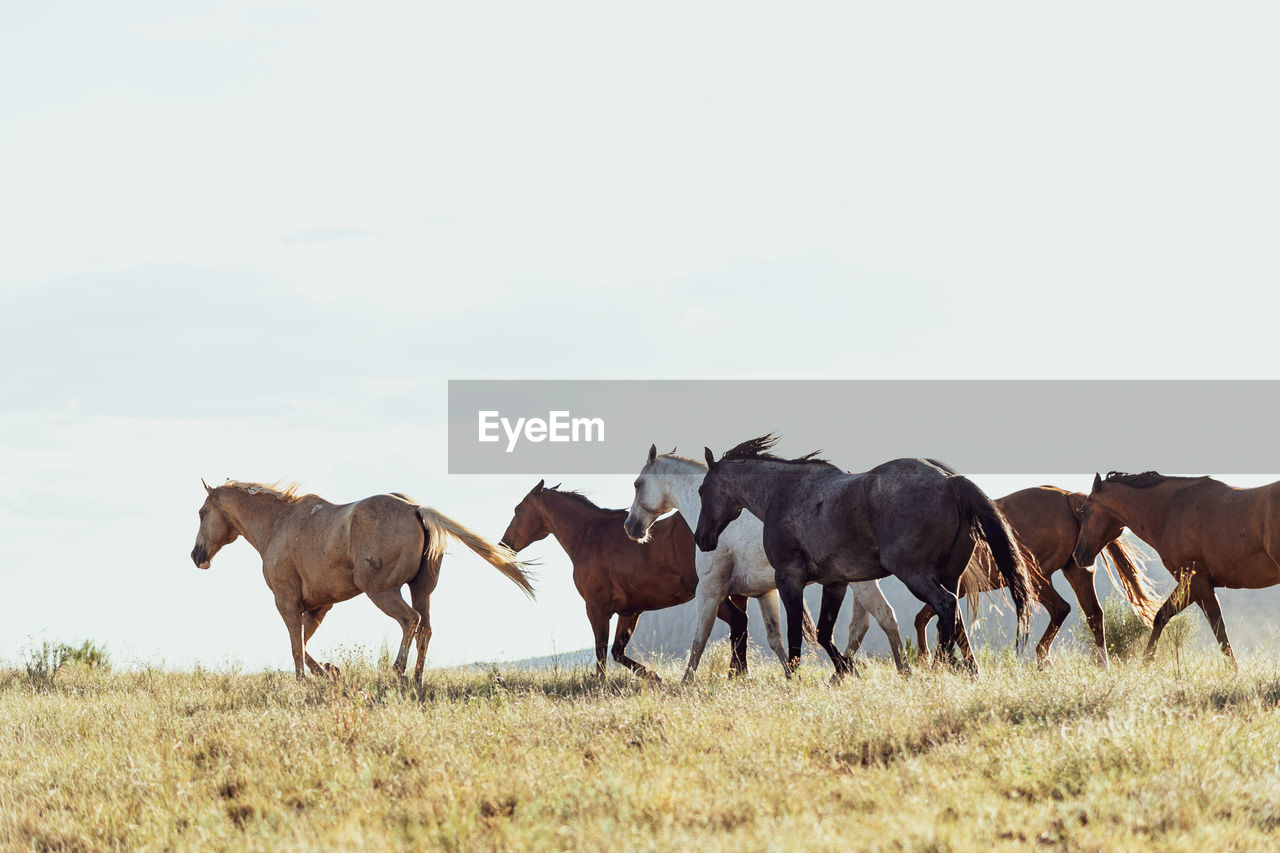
(1127, 635)
(42, 663)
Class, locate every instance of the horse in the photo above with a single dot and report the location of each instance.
(613, 574)
(1207, 534)
(915, 519)
(1046, 521)
(316, 553)
(738, 564)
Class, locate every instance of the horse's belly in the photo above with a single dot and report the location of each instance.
(319, 594)
(1256, 572)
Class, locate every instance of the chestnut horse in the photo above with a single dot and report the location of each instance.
(1047, 523)
(614, 574)
(1208, 535)
(315, 553)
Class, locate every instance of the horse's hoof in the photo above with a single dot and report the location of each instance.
(330, 670)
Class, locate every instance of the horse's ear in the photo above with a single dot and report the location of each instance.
(711, 457)
(653, 453)
(1097, 480)
(541, 485)
(207, 490)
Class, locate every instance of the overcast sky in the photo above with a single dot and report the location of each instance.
(255, 240)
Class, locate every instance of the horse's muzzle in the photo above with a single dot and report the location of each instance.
(634, 530)
(200, 557)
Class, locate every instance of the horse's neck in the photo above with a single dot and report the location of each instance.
(766, 482)
(682, 487)
(569, 520)
(1141, 510)
(256, 517)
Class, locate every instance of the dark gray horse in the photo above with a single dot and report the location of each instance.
(915, 519)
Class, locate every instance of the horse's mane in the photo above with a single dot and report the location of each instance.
(288, 494)
(676, 457)
(1145, 480)
(580, 498)
(758, 449)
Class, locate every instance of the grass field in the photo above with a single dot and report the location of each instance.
(1184, 755)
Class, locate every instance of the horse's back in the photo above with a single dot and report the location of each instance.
(1045, 522)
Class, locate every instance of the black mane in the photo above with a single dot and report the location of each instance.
(758, 449)
(1145, 480)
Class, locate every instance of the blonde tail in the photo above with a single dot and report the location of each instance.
(502, 558)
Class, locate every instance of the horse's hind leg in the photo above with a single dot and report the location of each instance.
(832, 598)
(1173, 605)
(859, 622)
(420, 589)
(622, 636)
(871, 598)
(1081, 581)
(947, 606)
(922, 631)
(390, 602)
(1203, 593)
(311, 620)
(1058, 609)
(733, 610)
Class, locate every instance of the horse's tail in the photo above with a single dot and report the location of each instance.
(976, 578)
(439, 527)
(1014, 562)
(981, 575)
(1133, 578)
(808, 628)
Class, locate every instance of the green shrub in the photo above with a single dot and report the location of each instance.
(43, 662)
(1127, 635)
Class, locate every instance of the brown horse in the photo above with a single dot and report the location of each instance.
(1208, 535)
(615, 574)
(315, 554)
(1047, 523)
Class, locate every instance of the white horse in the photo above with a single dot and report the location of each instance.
(738, 565)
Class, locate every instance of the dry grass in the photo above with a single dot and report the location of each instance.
(1180, 758)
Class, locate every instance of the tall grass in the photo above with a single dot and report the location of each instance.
(1072, 757)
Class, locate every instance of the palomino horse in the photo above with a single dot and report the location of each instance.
(912, 518)
(315, 554)
(1207, 534)
(1046, 521)
(738, 564)
(614, 574)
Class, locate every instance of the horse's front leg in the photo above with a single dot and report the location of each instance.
(311, 620)
(713, 587)
(290, 608)
(790, 578)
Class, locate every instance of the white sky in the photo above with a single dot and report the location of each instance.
(256, 239)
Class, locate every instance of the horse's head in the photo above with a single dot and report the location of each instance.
(720, 504)
(652, 500)
(1098, 525)
(528, 523)
(216, 530)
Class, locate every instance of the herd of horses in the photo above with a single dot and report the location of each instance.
(753, 525)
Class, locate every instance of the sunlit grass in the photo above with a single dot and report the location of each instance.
(1181, 755)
